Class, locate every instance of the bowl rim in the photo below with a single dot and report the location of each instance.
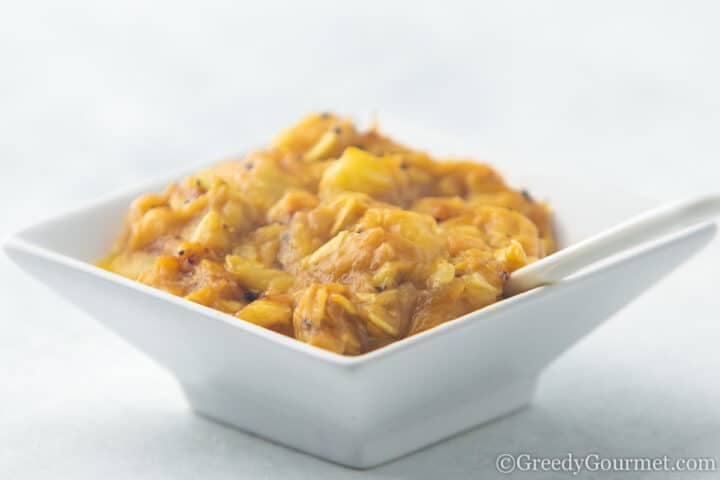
(18, 241)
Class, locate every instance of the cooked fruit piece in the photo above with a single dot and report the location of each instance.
(273, 313)
(324, 317)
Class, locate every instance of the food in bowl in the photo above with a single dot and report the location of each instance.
(340, 238)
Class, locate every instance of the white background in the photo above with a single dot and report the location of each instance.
(94, 97)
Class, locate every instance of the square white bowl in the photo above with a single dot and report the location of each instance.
(356, 411)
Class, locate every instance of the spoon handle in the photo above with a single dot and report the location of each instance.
(628, 234)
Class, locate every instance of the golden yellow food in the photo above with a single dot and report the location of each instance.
(340, 238)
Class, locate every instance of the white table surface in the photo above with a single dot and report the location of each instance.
(95, 97)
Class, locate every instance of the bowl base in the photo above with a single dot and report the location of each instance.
(367, 447)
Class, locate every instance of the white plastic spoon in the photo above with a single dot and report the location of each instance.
(631, 233)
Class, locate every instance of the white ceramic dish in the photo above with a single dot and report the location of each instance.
(357, 411)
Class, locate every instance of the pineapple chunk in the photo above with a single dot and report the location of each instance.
(324, 317)
(324, 147)
(155, 223)
(416, 229)
(210, 232)
(268, 313)
(479, 292)
(513, 256)
(256, 276)
(443, 273)
(317, 135)
(293, 201)
(360, 171)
